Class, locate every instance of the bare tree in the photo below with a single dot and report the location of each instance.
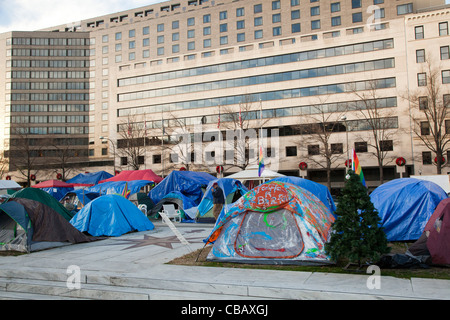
(316, 136)
(378, 118)
(3, 164)
(132, 142)
(430, 112)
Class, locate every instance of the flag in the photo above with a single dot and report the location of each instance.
(218, 120)
(356, 167)
(126, 193)
(261, 161)
(240, 117)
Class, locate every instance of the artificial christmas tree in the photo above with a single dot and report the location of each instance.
(356, 234)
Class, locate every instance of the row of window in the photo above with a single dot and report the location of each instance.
(49, 130)
(47, 42)
(263, 79)
(48, 53)
(444, 54)
(47, 63)
(262, 62)
(419, 31)
(49, 97)
(49, 108)
(50, 119)
(265, 96)
(48, 75)
(49, 85)
(422, 78)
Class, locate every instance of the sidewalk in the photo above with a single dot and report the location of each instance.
(134, 267)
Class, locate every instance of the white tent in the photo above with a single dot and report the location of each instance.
(251, 173)
(9, 184)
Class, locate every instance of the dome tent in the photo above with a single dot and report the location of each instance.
(111, 215)
(405, 205)
(275, 223)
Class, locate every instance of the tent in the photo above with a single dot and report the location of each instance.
(77, 199)
(189, 183)
(135, 175)
(28, 225)
(251, 173)
(110, 215)
(118, 187)
(9, 184)
(317, 189)
(405, 205)
(275, 223)
(232, 191)
(56, 188)
(180, 201)
(435, 240)
(89, 179)
(42, 197)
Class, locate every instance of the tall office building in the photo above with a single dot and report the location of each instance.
(305, 72)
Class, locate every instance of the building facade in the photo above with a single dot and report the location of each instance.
(177, 84)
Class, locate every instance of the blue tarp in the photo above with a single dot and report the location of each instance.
(189, 183)
(405, 206)
(57, 193)
(227, 185)
(90, 178)
(84, 196)
(317, 189)
(111, 215)
(117, 187)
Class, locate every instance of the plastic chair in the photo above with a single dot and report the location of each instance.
(143, 208)
(172, 213)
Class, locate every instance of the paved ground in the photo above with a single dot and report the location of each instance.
(134, 267)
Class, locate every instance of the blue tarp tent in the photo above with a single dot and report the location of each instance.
(317, 189)
(117, 187)
(405, 206)
(189, 183)
(111, 215)
(90, 179)
(180, 201)
(232, 190)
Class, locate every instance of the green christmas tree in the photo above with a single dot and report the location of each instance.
(356, 233)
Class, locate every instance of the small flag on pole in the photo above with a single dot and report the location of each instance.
(126, 193)
(261, 161)
(356, 167)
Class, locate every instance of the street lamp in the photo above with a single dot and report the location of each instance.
(114, 151)
(344, 118)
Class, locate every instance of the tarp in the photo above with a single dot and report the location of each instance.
(131, 175)
(28, 225)
(251, 173)
(43, 197)
(89, 179)
(232, 189)
(189, 183)
(405, 206)
(275, 223)
(9, 184)
(55, 188)
(111, 215)
(317, 189)
(117, 187)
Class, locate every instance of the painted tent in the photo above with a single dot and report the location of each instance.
(32, 220)
(55, 188)
(275, 223)
(89, 179)
(405, 205)
(232, 191)
(111, 215)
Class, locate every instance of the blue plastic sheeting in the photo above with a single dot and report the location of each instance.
(317, 189)
(228, 186)
(405, 206)
(117, 187)
(57, 193)
(84, 196)
(90, 178)
(111, 215)
(187, 182)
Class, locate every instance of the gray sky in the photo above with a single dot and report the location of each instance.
(31, 15)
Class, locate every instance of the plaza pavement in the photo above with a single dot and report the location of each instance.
(134, 267)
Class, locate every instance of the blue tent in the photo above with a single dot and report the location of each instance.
(111, 215)
(231, 188)
(405, 206)
(90, 179)
(317, 189)
(189, 183)
(117, 187)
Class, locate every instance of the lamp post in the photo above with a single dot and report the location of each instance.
(114, 151)
(344, 118)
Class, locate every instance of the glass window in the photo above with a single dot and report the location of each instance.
(419, 32)
(443, 28)
(240, 12)
(420, 55)
(276, 18)
(315, 24)
(357, 17)
(336, 7)
(296, 27)
(445, 53)
(240, 24)
(223, 15)
(132, 33)
(258, 21)
(119, 36)
(276, 5)
(276, 31)
(356, 4)
(335, 21)
(191, 22)
(404, 9)
(175, 24)
(258, 34)
(207, 18)
(295, 14)
(257, 8)
(315, 11)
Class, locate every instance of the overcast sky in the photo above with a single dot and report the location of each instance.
(31, 15)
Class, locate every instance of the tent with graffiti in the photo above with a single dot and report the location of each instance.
(404, 216)
(111, 215)
(275, 223)
(32, 220)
